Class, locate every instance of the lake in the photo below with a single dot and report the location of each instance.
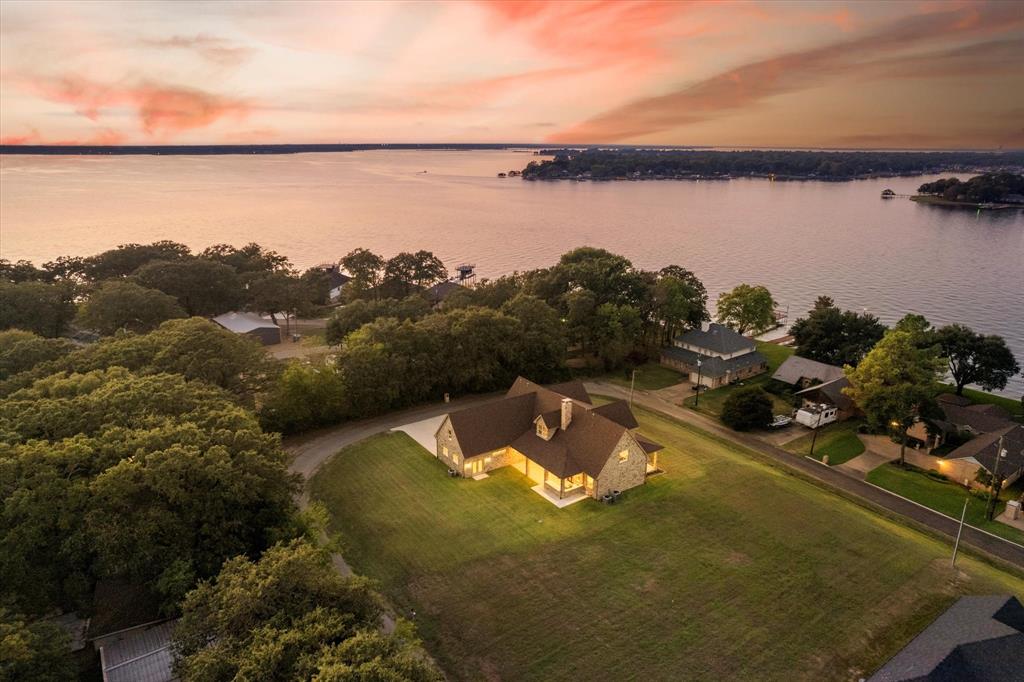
(800, 239)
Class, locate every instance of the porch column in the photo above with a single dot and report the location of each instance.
(561, 489)
(654, 460)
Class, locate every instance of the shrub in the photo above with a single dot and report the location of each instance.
(748, 408)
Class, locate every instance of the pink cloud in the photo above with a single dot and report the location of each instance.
(105, 136)
(753, 83)
(162, 109)
(217, 50)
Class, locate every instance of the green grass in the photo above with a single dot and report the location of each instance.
(650, 376)
(839, 441)
(942, 496)
(711, 402)
(774, 354)
(723, 567)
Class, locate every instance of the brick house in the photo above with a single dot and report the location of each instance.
(553, 435)
(724, 355)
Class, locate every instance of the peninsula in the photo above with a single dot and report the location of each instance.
(665, 164)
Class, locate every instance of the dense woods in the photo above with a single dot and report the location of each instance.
(987, 188)
(608, 164)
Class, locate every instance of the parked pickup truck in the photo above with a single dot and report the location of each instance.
(780, 420)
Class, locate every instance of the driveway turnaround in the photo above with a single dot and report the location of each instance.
(423, 431)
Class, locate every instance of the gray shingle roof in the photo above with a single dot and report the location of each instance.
(983, 448)
(796, 368)
(977, 638)
(713, 366)
(243, 323)
(830, 392)
(141, 654)
(718, 338)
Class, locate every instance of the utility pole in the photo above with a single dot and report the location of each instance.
(993, 491)
(963, 515)
(632, 381)
(696, 401)
(814, 436)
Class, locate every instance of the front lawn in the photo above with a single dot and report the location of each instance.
(943, 496)
(650, 376)
(839, 441)
(723, 567)
(711, 402)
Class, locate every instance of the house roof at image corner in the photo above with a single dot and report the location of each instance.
(717, 338)
(582, 448)
(977, 638)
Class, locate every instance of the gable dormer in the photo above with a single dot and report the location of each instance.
(546, 424)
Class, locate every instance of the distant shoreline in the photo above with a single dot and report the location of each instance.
(246, 149)
(545, 148)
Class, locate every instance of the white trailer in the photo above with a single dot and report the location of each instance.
(817, 414)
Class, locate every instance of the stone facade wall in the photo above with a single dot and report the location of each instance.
(448, 449)
(618, 475)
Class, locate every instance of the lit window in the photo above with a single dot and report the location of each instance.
(624, 456)
(455, 458)
(444, 450)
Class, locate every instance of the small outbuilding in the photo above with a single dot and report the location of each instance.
(250, 324)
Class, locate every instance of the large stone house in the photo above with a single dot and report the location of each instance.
(555, 436)
(724, 356)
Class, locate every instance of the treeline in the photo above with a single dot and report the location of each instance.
(987, 188)
(135, 287)
(592, 309)
(604, 164)
(137, 462)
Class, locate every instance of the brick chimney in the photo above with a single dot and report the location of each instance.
(566, 413)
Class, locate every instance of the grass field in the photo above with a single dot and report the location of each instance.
(650, 376)
(839, 441)
(722, 567)
(711, 402)
(944, 496)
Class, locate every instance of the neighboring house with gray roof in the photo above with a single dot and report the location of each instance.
(555, 436)
(139, 654)
(803, 372)
(977, 638)
(714, 355)
(252, 325)
(981, 451)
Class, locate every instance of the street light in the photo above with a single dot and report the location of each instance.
(696, 401)
(632, 381)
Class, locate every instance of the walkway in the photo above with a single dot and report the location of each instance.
(829, 476)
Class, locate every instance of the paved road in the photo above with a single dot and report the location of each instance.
(312, 450)
(993, 546)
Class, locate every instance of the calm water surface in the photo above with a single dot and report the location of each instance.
(800, 239)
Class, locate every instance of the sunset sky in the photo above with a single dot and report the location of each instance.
(857, 74)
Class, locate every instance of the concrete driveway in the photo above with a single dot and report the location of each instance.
(423, 431)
